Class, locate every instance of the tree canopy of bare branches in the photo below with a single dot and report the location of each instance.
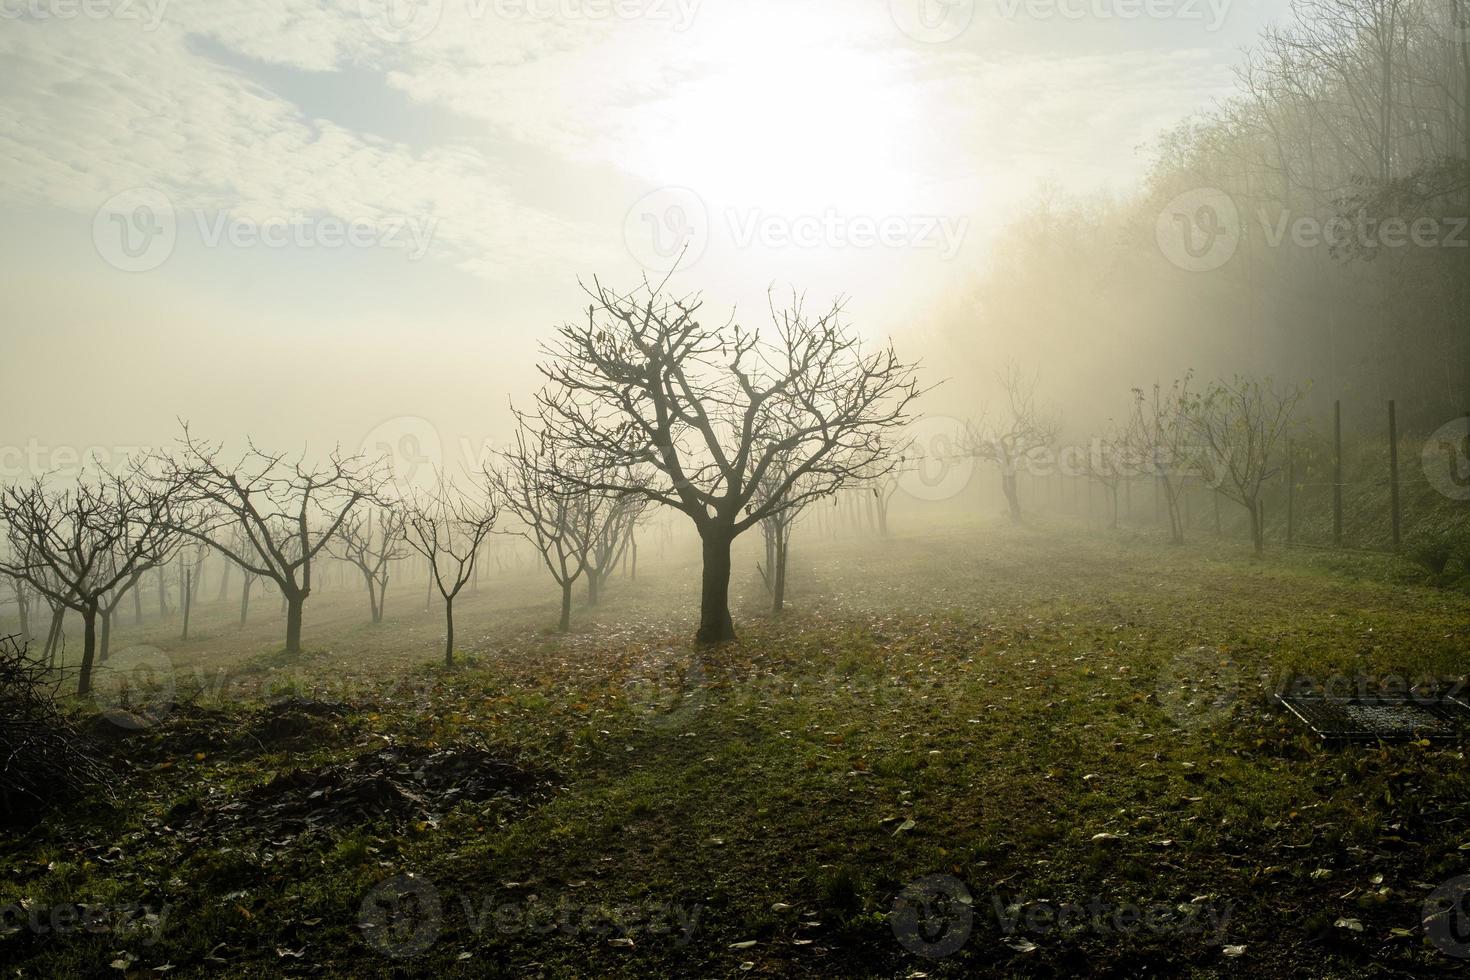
(269, 513)
(1021, 428)
(1239, 426)
(643, 381)
(447, 528)
(372, 540)
(77, 545)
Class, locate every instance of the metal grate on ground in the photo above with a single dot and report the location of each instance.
(1371, 719)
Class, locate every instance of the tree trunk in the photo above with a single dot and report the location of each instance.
(294, 604)
(715, 625)
(89, 649)
(1013, 498)
(187, 601)
(594, 587)
(382, 598)
(53, 636)
(566, 607)
(778, 581)
(104, 640)
(137, 606)
(245, 599)
(23, 607)
(449, 632)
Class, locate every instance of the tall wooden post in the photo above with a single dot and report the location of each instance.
(1290, 490)
(1393, 469)
(1337, 474)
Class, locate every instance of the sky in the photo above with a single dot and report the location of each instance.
(353, 221)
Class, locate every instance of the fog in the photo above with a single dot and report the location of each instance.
(693, 487)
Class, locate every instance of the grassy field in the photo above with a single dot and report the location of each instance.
(968, 750)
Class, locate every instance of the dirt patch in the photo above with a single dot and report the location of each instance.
(397, 784)
(187, 729)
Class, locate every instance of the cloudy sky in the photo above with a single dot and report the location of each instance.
(311, 220)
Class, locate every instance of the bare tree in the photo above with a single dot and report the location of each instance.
(447, 528)
(1239, 426)
(1160, 442)
(643, 382)
(1106, 463)
(270, 515)
(534, 485)
(776, 529)
(373, 548)
(612, 521)
(1021, 429)
(76, 546)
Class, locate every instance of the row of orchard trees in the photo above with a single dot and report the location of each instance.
(1230, 435)
(644, 404)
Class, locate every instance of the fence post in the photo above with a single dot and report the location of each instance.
(1337, 474)
(1290, 490)
(1393, 469)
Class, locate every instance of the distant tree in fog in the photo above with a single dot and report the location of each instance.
(643, 382)
(1106, 464)
(1239, 427)
(534, 484)
(776, 528)
(1019, 429)
(372, 540)
(270, 514)
(613, 520)
(1160, 440)
(447, 527)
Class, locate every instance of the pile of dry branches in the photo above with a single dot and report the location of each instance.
(44, 759)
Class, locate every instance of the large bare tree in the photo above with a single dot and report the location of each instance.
(269, 513)
(643, 381)
(75, 546)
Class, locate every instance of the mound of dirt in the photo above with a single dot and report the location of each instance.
(186, 729)
(400, 784)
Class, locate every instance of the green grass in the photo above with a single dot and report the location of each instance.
(978, 702)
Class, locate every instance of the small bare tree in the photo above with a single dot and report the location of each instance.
(776, 530)
(268, 514)
(447, 529)
(75, 546)
(1106, 463)
(1239, 426)
(1021, 429)
(1160, 442)
(612, 521)
(533, 484)
(373, 547)
(643, 382)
